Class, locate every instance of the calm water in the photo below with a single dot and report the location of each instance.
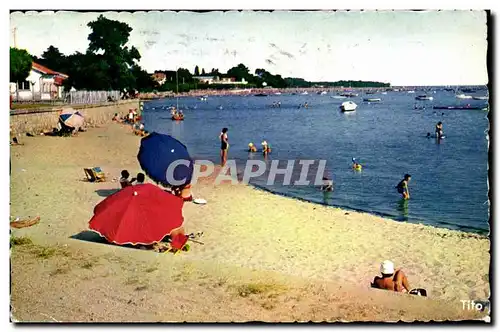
(449, 180)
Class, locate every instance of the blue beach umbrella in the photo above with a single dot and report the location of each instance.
(158, 152)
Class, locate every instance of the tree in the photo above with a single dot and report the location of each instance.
(203, 71)
(108, 39)
(20, 64)
(239, 72)
(196, 71)
(54, 59)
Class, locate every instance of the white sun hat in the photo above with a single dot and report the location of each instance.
(264, 143)
(387, 267)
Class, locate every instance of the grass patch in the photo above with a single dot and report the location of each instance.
(259, 288)
(20, 241)
(45, 252)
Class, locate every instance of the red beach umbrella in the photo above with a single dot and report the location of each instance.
(140, 214)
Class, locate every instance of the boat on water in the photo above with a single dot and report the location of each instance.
(203, 98)
(304, 93)
(424, 97)
(323, 93)
(260, 95)
(339, 97)
(277, 93)
(384, 93)
(411, 91)
(349, 94)
(178, 117)
(372, 99)
(480, 97)
(468, 107)
(348, 106)
(463, 96)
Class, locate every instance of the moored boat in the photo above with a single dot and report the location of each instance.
(424, 97)
(348, 106)
(372, 99)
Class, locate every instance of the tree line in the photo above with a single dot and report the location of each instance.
(108, 64)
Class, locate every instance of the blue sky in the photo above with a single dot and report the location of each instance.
(403, 48)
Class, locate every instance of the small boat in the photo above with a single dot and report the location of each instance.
(323, 93)
(384, 93)
(203, 98)
(463, 96)
(480, 97)
(372, 99)
(260, 95)
(348, 106)
(339, 97)
(370, 92)
(178, 117)
(277, 93)
(424, 97)
(304, 93)
(411, 91)
(350, 94)
(458, 107)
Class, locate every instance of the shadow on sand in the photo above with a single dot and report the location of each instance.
(106, 192)
(90, 236)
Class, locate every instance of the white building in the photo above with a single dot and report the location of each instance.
(41, 84)
(217, 80)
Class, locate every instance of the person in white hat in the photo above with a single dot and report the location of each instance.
(391, 279)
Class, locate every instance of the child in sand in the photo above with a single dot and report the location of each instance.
(124, 181)
(140, 178)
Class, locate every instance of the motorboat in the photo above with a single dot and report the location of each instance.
(411, 91)
(384, 93)
(348, 106)
(304, 93)
(424, 97)
(372, 99)
(203, 98)
(260, 95)
(323, 93)
(339, 97)
(480, 97)
(349, 94)
(463, 96)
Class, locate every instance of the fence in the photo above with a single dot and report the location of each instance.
(91, 97)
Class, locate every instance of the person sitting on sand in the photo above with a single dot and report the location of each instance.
(130, 116)
(394, 280)
(124, 181)
(115, 117)
(402, 186)
(183, 192)
(251, 147)
(327, 184)
(140, 178)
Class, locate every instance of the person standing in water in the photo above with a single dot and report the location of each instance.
(224, 146)
(439, 130)
(402, 187)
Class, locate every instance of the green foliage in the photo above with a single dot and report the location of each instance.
(196, 71)
(20, 64)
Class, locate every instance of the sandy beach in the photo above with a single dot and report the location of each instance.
(265, 257)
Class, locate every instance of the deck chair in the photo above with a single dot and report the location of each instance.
(95, 174)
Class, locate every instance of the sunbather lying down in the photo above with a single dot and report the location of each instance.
(394, 280)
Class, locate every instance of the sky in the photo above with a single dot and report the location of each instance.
(399, 47)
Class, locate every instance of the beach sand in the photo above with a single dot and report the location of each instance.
(265, 257)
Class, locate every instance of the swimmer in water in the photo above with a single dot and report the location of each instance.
(439, 130)
(355, 164)
(402, 187)
(251, 147)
